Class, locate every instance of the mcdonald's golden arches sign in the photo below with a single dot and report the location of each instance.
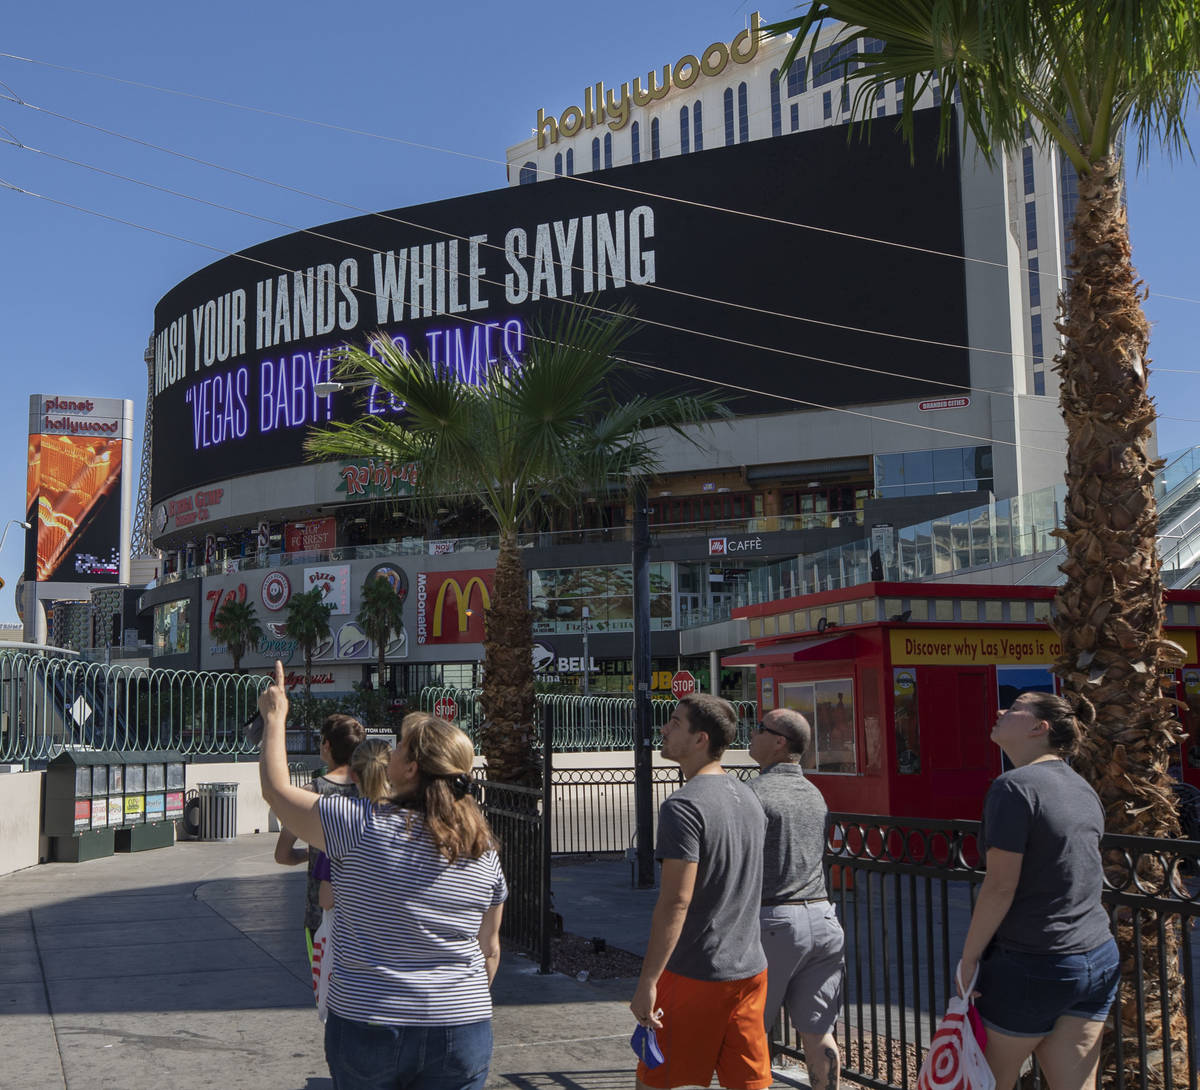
(451, 605)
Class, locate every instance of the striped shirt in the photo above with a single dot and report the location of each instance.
(406, 925)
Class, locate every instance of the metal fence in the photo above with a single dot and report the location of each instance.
(594, 811)
(581, 723)
(518, 816)
(49, 703)
(904, 889)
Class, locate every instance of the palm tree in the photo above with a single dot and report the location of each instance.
(381, 615)
(308, 624)
(527, 440)
(1075, 74)
(236, 625)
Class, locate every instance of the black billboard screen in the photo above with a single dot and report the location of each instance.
(241, 345)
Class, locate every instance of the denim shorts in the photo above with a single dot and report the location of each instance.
(368, 1056)
(1024, 995)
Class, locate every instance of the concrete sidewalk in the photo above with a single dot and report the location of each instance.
(185, 967)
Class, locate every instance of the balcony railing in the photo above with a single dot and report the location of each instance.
(419, 546)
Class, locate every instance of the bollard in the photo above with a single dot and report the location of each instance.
(218, 811)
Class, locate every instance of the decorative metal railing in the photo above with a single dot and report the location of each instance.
(49, 703)
(904, 889)
(581, 723)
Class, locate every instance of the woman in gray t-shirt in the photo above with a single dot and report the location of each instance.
(1048, 965)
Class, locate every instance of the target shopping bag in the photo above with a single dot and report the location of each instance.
(955, 1057)
(322, 962)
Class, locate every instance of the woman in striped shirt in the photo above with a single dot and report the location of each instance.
(419, 897)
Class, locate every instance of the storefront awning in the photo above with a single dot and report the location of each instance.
(816, 647)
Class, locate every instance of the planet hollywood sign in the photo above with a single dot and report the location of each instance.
(77, 416)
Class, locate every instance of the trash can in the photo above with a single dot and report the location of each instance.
(218, 811)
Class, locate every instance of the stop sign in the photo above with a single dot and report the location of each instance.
(445, 708)
(683, 683)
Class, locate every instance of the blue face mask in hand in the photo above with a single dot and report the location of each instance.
(645, 1045)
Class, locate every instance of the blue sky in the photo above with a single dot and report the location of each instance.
(77, 293)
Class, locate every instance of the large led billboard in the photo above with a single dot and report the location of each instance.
(73, 493)
(767, 296)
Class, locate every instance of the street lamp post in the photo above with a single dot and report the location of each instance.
(11, 523)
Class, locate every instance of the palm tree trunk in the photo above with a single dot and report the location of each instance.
(307, 683)
(1109, 613)
(509, 735)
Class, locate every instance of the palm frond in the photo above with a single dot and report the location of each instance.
(1082, 69)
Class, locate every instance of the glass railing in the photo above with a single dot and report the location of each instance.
(994, 533)
(420, 546)
(1183, 469)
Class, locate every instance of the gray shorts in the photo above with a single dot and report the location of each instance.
(804, 946)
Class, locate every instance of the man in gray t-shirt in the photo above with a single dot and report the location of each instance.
(703, 981)
(801, 935)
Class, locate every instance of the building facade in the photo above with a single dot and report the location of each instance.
(871, 382)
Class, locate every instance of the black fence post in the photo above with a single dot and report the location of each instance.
(547, 922)
(643, 739)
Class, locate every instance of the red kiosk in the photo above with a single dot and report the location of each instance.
(902, 683)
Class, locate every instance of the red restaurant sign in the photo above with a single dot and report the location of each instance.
(302, 537)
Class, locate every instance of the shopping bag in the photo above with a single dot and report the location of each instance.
(322, 963)
(955, 1057)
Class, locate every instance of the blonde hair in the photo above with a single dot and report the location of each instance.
(445, 757)
(369, 763)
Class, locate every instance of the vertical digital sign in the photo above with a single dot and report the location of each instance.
(73, 492)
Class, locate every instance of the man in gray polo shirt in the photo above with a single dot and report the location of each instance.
(703, 980)
(801, 934)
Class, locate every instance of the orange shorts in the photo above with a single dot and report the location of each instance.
(711, 1025)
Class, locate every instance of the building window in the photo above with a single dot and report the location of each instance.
(1035, 337)
(684, 132)
(710, 507)
(795, 117)
(172, 627)
(829, 708)
(776, 105)
(570, 162)
(827, 105)
(1039, 382)
(1069, 188)
(729, 117)
(1031, 226)
(845, 98)
(635, 141)
(900, 87)
(655, 147)
(697, 128)
(832, 63)
(797, 77)
(607, 150)
(1027, 169)
(743, 114)
(937, 93)
(595, 153)
(1035, 283)
(528, 174)
(930, 472)
(558, 164)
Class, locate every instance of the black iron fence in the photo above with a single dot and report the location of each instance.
(594, 811)
(905, 889)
